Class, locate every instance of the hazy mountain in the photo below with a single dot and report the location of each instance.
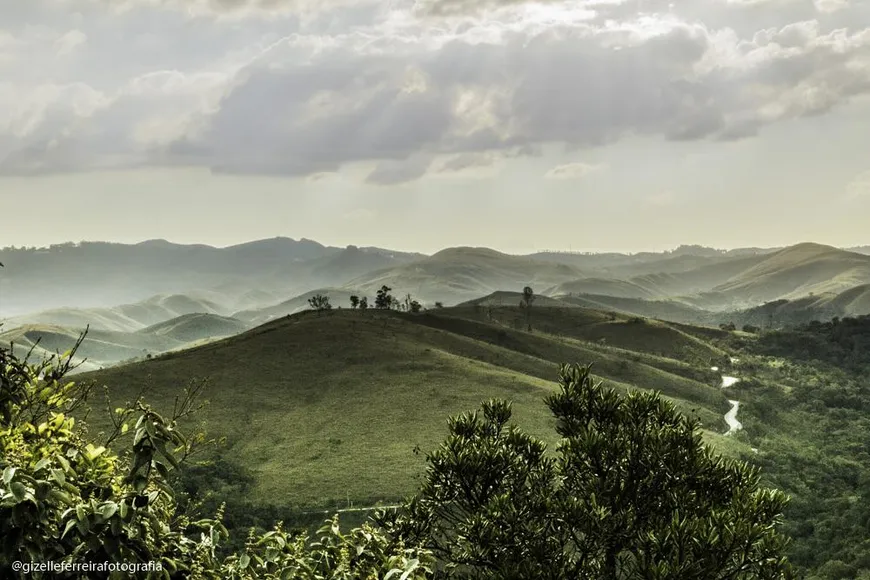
(122, 318)
(337, 296)
(100, 274)
(104, 348)
(268, 278)
(464, 273)
(791, 273)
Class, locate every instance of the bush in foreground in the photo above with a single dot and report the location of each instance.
(632, 492)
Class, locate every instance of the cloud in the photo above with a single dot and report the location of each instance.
(69, 41)
(572, 171)
(403, 94)
(392, 172)
(859, 187)
(831, 5)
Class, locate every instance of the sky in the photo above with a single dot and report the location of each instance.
(619, 125)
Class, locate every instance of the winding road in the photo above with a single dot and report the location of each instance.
(731, 416)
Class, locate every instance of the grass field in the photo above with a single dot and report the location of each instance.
(328, 407)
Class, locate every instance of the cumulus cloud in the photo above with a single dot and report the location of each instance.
(410, 97)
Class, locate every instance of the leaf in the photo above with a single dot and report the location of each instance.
(108, 510)
(8, 474)
(244, 560)
(67, 528)
(58, 476)
(42, 464)
(93, 452)
(18, 490)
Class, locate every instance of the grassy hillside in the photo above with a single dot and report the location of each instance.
(122, 318)
(104, 348)
(796, 272)
(328, 407)
(605, 286)
(193, 327)
(100, 347)
(670, 310)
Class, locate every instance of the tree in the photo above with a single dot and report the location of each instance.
(632, 492)
(67, 498)
(320, 302)
(439, 305)
(364, 303)
(384, 299)
(354, 301)
(411, 305)
(526, 302)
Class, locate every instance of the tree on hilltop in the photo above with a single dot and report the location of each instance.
(364, 303)
(526, 303)
(320, 302)
(631, 493)
(354, 301)
(383, 299)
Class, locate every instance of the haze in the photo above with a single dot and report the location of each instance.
(594, 125)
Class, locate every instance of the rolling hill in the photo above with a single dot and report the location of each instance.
(602, 286)
(328, 400)
(123, 318)
(338, 297)
(100, 347)
(195, 327)
(797, 271)
(458, 274)
(104, 348)
(96, 274)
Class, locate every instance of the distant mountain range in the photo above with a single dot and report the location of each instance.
(99, 274)
(128, 288)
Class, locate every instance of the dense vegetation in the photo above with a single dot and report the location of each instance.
(806, 410)
(64, 499)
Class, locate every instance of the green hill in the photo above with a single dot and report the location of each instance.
(122, 318)
(795, 272)
(335, 402)
(100, 347)
(670, 310)
(605, 286)
(104, 348)
(195, 327)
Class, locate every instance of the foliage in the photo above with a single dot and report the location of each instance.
(364, 303)
(65, 499)
(384, 299)
(807, 411)
(631, 493)
(354, 301)
(526, 303)
(320, 302)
